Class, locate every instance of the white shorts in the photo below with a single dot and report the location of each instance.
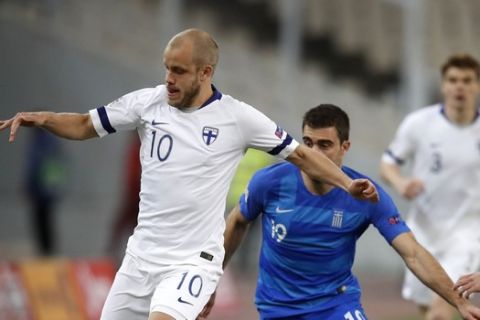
(141, 288)
(460, 258)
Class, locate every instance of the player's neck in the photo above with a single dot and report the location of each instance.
(461, 115)
(205, 93)
(314, 186)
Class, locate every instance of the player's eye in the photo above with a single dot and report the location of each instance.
(324, 145)
(308, 143)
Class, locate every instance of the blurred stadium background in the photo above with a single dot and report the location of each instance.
(378, 59)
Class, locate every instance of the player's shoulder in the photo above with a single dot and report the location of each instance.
(279, 168)
(156, 93)
(354, 174)
(358, 175)
(146, 92)
(425, 114)
(235, 105)
(271, 173)
(146, 95)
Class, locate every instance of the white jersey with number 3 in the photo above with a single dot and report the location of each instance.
(188, 160)
(446, 157)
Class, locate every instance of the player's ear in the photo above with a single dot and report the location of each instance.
(345, 145)
(206, 72)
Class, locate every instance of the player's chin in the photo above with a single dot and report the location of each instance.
(174, 100)
(173, 103)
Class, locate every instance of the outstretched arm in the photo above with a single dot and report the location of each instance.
(431, 273)
(72, 126)
(319, 167)
(468, 284)
(409, 188)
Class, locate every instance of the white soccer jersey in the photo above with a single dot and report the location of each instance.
(188, 160)
(446, 157)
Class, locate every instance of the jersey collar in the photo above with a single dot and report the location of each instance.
(442, 111)
(216, 95)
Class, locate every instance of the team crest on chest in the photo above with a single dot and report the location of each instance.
(337, 218)
(210, 134)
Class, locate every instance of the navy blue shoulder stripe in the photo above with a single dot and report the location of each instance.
(397, 160)
(279, 148)
(104, 120)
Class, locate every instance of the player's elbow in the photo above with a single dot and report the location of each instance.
(411, 260)
(304, 158)
(387, 171)
(85, 129)
(298, 156)
(412, 257)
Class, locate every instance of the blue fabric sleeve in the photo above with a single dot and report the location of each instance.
(386, 218)
(252, 200)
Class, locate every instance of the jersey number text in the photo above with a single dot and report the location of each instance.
(164, 146)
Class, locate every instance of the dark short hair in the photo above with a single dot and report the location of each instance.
(328, 115)
(461, 61)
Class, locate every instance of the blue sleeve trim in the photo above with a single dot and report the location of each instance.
(282, 146)
(397, 160)
(104, 120)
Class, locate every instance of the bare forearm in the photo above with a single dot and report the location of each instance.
(431, 273)
(234, 233)
(72, 126)
(391, 174)
(319, 167)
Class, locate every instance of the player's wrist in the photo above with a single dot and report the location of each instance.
(349, 185)
(37, 119)
(459, 302)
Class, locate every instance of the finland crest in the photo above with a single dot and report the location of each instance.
(337, 218)
(210, 134)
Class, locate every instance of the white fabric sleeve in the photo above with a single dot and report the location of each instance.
(261, 133)
(403, 144)
(121, 114)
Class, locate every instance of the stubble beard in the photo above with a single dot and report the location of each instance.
(189, 97)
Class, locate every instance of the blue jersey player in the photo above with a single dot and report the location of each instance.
(310, 231)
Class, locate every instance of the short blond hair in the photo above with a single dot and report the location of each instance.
(205, 47)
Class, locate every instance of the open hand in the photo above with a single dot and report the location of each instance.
(469, 311)
(411, 188)
(26, 119)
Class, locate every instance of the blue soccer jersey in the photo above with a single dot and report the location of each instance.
(309, 240)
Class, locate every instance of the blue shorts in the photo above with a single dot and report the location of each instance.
(351, 310)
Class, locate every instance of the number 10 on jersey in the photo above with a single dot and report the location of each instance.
(163, 148)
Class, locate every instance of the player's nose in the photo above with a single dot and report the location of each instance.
(169, 77)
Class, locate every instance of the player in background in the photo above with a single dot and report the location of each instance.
(45, 181)
(310, 230)
(192, 138)
(442, 142)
